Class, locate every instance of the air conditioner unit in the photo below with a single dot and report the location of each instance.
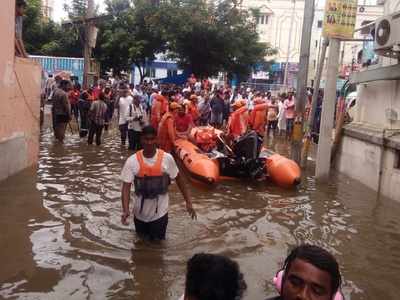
(387, 35)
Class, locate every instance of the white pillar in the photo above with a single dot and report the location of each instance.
(328, 112)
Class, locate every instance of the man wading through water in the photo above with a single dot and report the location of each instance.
(151, 170)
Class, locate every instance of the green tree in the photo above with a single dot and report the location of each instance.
(129, 38)
(42, 37)
(206, 37)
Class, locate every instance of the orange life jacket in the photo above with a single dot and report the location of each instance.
(166, 134)
(205, 138)
(258, 118)
(151, 181)
(238, 122)
(158, 108)
(192, 109)
(145, 169)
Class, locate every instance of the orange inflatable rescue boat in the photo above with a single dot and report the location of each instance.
(198, 164)
(206, 159)
(282, 170)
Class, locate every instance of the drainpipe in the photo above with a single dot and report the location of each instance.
(381, 161)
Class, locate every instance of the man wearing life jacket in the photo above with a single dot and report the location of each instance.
(166, 134)
(258, 118)
(183, 123)
(238, 120)
(151, 171)
(192, 108)
(158, 108)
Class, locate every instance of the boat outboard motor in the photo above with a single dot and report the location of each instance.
(245, 163)
(248, 145)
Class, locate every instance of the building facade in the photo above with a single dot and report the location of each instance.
(370, 150)
(48, 9)
(350, 52)
(20, 80)
(280, 24)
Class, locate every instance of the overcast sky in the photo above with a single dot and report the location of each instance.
(59, 12)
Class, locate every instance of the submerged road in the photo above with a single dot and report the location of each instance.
(61, 236)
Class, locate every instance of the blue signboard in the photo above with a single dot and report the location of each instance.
(53, 65)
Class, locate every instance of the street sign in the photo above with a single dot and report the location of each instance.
(340, 18)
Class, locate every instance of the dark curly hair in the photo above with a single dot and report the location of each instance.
(214, 277)
(319, 258)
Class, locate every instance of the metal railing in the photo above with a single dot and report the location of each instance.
(264, 87)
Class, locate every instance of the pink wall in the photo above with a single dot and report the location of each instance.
(19, 101)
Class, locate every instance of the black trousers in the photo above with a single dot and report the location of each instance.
(134, 139)
(95, 130)
(124, 132)
(154, 230)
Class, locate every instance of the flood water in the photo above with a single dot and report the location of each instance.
(61, 236)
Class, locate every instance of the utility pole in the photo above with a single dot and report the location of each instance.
(314, 102)
(297, 137)
(324, 152)
(285, 78)
(87, 52)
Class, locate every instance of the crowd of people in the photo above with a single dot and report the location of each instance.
(150, 118)
(172, 110)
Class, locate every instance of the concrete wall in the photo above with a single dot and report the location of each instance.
(20, 102)
(360, 160)
(371, 164)
(375, 101)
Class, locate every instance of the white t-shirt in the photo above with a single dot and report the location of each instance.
(135, 112)
(151, 209)
(123, 106)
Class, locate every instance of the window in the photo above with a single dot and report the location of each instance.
(319, 24)
(316, 43)
(171, 73)
(150, 72)
(397, 159)
(262, 20)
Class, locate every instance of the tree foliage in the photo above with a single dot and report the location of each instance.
(129, 38)
(205, 37)
(42, 37)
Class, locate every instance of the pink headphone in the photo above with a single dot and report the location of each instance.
(278, 278)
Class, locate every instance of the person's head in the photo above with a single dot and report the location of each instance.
(174, 107)
(20, 6)
(310, 272)
(123, 90)
(213, 277)
(149, 139)
(181, 110)
(65, 85)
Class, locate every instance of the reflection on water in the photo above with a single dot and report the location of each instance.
(62, 238)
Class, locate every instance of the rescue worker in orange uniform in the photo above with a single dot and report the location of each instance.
(192, 108)
(238, 120)
(158, 109)
(166, 134)
(258, 118)
(151, 171)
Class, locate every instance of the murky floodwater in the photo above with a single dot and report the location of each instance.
(61, 236)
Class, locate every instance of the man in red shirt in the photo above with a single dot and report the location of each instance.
(183, 123)
(73, 97)
(97, 90)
